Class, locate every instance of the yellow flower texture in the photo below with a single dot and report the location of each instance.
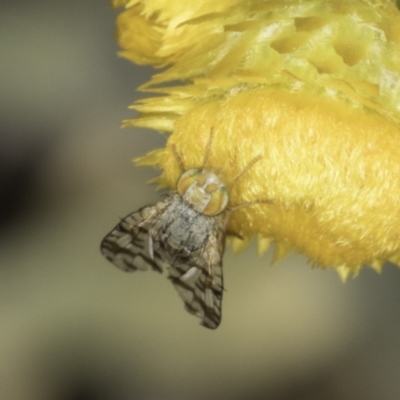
(311, 86)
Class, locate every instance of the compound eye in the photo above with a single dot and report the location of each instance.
(188, 178)
(218, 202)
(212, 187)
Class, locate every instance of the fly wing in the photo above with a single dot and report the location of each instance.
(199, 281)
(129, 245)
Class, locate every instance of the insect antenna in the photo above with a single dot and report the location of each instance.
(206, 154)
(178, 158)
(237, 176)
(208, 148)
(251, 203)
(245, 169)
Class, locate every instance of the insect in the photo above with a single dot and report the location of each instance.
(184, 233)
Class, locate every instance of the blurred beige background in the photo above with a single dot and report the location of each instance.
(72, 326)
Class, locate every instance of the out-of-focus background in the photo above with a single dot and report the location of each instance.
(72, 326)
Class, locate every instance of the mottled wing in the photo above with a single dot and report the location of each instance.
(199, 281)
(129, 245)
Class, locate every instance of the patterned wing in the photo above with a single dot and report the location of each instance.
(129, 245)
(199, 281)
(191, 245)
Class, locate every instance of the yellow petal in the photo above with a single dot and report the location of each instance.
(263, 244)
(343, 272)
(238, 245)
(282, 250)
(152, 158)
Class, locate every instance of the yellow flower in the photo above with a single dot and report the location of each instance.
(313, 86)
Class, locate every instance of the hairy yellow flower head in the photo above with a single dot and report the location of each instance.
(313, 87)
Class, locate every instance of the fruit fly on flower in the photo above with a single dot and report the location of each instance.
(184, 233)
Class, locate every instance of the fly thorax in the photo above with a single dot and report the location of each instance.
(204, 191)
